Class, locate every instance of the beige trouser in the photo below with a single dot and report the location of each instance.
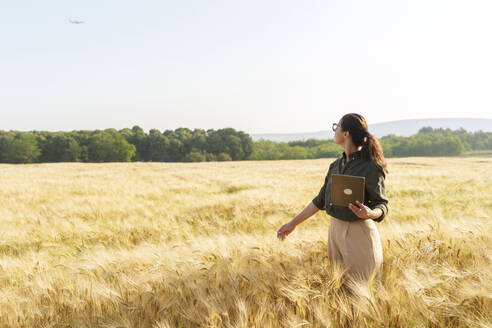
(356, 245)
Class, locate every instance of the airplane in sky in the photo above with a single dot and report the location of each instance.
(74, 21)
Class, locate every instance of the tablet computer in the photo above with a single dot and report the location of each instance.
(347, 189)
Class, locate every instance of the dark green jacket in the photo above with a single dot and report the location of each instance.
(375, 193)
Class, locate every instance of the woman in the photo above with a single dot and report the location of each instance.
(353, 238)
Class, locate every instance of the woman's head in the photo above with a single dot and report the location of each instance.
(354, 126)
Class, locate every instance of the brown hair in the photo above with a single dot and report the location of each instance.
(356, 125)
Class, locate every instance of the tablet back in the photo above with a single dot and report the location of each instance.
(347, 189)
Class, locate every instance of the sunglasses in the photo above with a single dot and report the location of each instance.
(334, 127)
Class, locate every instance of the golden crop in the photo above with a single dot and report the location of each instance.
(194, 245)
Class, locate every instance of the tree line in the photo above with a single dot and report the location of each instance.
(436, 142)
(426, 142)
(185, 145)
(110, 145)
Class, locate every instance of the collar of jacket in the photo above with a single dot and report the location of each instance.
(354, 155)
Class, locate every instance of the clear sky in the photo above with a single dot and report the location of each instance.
(260, 66)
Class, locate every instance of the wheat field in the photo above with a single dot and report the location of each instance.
(194, 245)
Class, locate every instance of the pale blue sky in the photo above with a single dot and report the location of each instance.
(257, 66)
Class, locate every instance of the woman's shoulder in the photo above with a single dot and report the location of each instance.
(376, 166)
(334, 163)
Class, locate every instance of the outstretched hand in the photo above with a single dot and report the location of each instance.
(361, 210)
(285, 230)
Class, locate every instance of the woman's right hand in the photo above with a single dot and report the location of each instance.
(285, 230)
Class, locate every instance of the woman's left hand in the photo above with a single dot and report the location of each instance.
(362, 211)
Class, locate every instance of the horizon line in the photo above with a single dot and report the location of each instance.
(251, 133)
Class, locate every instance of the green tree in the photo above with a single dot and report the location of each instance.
(110, 146)
(59, 147)
(222, 157)
(158, 146)
(20, 147)
(137, 137)
(195, 157)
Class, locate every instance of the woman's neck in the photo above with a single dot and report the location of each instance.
(349, 148)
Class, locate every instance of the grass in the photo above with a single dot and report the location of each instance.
(194, 245)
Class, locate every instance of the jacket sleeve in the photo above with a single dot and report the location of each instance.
(375, 190)
(319, 201)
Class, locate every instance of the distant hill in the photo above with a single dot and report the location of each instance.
(402, 128)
